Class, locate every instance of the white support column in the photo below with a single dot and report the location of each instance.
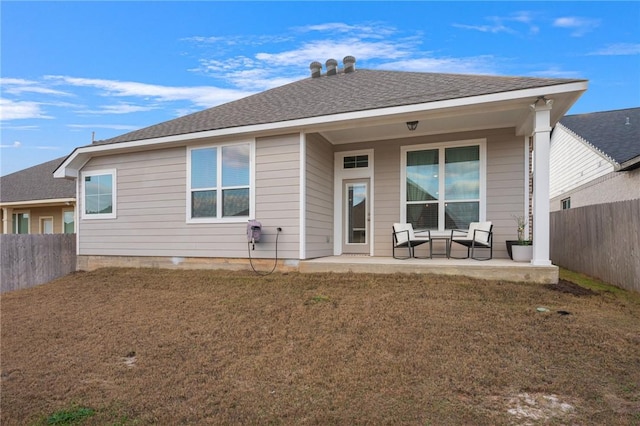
(541, 141)
(7, 220)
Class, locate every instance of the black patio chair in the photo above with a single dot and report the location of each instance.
(404, 237)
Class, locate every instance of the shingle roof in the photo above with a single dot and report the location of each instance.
(609, 132)
(36, 183)
(360, 90)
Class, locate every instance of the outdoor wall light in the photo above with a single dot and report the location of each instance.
(412, 125)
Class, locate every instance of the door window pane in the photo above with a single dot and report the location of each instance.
(357, 214)
(355, 161)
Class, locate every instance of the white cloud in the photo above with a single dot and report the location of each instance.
(16, 110)
(204, 96)
(618, 49)
(121, 108)
(125, 127)
(505, 24)
(494, 28)
(372, 30)
(580, 26)
(18, 86)
(325, 49)
(472, 65)
(16, 144)
(555, 72)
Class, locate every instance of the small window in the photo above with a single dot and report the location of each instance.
(566, 204)
(356, 162)
(99, 194)
(68, 222)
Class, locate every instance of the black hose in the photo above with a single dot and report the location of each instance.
(275, 263)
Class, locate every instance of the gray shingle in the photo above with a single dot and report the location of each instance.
(609, 132)
(36, 183)
(360, 90)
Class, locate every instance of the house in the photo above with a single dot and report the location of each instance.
(33, 202)
(326, 164)
(595, 158)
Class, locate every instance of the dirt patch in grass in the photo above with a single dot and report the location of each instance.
(143, 346)
(565, 286)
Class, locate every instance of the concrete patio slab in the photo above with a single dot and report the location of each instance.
(495, 269)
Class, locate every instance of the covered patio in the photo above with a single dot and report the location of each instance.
(494, 269)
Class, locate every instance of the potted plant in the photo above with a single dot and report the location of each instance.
(520, 250)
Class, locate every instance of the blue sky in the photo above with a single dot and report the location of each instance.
(69, 69)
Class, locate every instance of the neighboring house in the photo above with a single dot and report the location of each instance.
(333, 160)
(595, 158)
(33, 202)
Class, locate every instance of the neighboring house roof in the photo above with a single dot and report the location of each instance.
(359, 90)
(614, 133)
(36, 183)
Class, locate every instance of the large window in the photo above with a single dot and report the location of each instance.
(443, 185)
(219, 184)
(99, 194)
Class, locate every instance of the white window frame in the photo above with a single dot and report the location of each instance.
(482, 143)
(114, 185)
(339, 175)
(14, 230)
(252, 184)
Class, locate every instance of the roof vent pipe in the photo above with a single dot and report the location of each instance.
(349, 63)
(316, 69)
(332, 66)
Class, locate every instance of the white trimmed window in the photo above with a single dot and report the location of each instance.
(68, 222)
(219, 182)
(443, 186)
(21, 222)
(99, 194)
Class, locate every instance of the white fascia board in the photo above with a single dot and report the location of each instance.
(70, 167)
(294, 125)
(39, 202)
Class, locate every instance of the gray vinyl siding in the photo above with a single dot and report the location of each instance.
(151, 207)
(505, 182)
(505, 186)
(319, 197)
(277, 199)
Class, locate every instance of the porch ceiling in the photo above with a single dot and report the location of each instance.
(437, 119)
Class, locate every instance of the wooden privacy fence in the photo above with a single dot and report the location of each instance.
(602, 241)
(30, 260)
